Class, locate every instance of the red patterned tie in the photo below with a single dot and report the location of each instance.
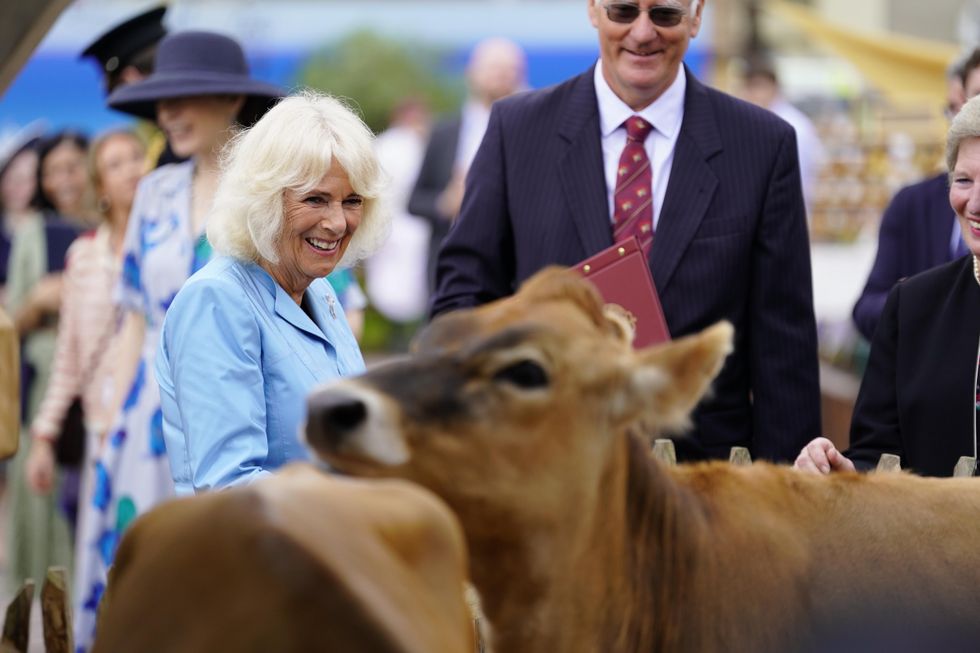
(633, 211)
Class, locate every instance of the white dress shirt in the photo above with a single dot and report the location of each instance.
(665, 114)
(473, 124)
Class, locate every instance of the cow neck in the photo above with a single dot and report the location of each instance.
(663, 534)
(608, 579)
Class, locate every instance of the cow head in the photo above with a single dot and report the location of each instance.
(522, 397)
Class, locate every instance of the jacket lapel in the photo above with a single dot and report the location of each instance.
(580, 169)
(691, 187)
(290, 311)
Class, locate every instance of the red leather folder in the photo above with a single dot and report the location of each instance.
(622, 276)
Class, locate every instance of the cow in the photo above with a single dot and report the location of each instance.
(296, 563)
(531, 418)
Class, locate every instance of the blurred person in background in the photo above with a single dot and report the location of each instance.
(125, 52)
(496, 69)
(918, 230)
(38, 533)
(18, 184)
(762, 88)
(125, 55)
(397, 276)
(63, 181)
(253, 332)
(199, 92)
(88, 317)
(920, 395)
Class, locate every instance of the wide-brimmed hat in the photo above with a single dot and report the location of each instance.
(190, 64)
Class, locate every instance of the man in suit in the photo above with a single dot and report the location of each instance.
(919, 229)
(496, 69)
(728, 225)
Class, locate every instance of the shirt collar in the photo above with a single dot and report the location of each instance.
(665, 113)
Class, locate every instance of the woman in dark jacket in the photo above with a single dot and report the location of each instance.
(920, 395)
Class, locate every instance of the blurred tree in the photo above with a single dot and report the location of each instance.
(376, 73)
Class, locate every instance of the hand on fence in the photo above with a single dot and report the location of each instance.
(820, 456)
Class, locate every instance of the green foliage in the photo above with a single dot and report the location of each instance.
(376, 73)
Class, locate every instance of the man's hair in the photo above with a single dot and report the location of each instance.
(291, 148)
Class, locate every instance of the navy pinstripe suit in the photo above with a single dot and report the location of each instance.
(731, 243)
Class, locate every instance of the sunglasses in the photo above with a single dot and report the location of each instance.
(627, 12)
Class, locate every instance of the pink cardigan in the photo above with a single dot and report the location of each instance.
(88, 320)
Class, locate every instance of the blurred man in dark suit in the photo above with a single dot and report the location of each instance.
(496, 69)
(919, 229)
(637, 146)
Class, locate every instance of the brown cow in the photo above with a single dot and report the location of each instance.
(521, 414)
(300, 562)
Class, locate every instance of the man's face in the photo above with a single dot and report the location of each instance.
(640, 60)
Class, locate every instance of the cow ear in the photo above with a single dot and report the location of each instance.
(620, 321)
(667, 381)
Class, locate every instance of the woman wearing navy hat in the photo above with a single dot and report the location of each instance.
(199, 91)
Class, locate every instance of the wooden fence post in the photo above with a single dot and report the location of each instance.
(965, 466)
(17, 622)
(889, 462)
(740, 456)
(56, 612)
(663, 450)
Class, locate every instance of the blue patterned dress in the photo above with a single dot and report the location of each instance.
(132, 474)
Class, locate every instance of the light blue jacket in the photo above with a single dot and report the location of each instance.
(237, 359)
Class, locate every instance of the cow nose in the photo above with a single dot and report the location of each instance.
(332, 416)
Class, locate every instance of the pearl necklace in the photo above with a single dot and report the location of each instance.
(976, 269)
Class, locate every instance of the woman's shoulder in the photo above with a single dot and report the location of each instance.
(216, 290)
(942, 278)
(221, 276)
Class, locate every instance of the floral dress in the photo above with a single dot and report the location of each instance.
(132, 474)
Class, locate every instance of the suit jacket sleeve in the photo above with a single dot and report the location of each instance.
(885, 272)
(476, 262)
(785, 377)
(875, 424)
(432, 179)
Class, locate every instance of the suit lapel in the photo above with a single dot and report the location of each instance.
(580, 170)
(691, 187)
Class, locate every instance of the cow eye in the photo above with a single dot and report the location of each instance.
(524, 374)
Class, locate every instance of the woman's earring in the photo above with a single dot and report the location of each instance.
(103, 205)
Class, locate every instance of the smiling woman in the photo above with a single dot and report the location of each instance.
(249, 335)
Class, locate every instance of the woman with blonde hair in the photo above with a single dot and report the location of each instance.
(249, 335)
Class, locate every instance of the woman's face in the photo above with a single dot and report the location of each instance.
(317, 229)
(119, 165)
(197, 126)
(64, 178)
(19, 182)
(964, 193)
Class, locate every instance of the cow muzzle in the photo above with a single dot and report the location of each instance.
(345, 420)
